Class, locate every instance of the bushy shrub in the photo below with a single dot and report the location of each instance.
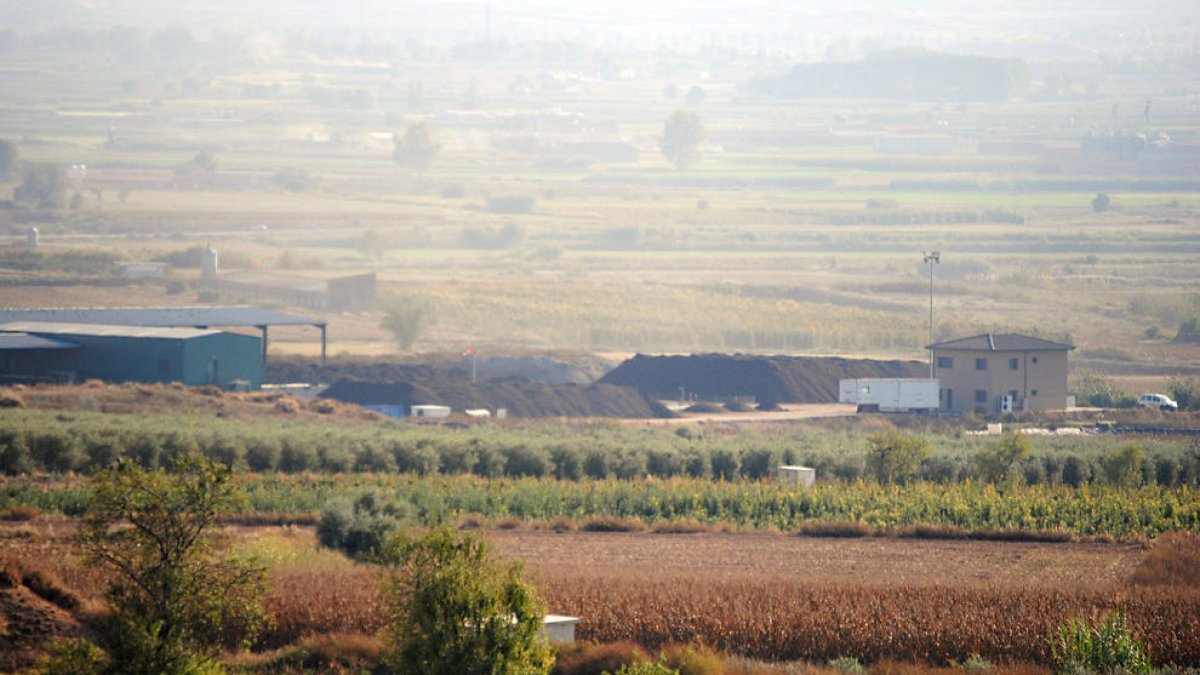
(71, 656)
(453, 608)
(894, 456)
(361, 528)
(1124, 465)
(1105, 647)
(695, 659)
(846, 664)
(510, 204)
(1174, 562)
(586, 658)
(646, 667)
(521, 460)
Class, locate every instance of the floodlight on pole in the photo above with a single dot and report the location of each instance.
(931, 259)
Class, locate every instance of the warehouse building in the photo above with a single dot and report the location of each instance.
(171, 317)
(34, 351)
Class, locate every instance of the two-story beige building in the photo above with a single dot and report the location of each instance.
(1004, 372)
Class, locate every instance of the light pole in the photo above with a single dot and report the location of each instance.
(931, 259)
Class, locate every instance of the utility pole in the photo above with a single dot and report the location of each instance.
(931, 259)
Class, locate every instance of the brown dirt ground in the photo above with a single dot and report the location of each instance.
(865, 562)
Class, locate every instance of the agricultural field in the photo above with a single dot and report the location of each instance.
(548, 219)
(513, 178)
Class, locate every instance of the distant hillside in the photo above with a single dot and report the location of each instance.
(904, 75)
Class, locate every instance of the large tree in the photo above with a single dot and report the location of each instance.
(417, 149)
(175, 600)
(682, 135)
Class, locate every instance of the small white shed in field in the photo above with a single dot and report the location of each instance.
(558, 628)
(797, 475)
(430, 411)
(478, 412)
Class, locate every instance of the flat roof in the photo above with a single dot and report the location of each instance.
(192, 317)
(22, 341)
(93, 329)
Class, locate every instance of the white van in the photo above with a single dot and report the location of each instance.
(1160, 401)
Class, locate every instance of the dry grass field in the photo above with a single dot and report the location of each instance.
(771, 597)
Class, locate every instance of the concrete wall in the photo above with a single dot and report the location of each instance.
(1036, 379)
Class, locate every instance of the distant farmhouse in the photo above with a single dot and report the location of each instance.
(1003, 372)
(34, 351)
(354, 293)
(344, 294)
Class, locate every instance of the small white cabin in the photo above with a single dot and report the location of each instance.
(558, 628)
(796, 475)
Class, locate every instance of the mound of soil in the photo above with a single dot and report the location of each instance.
(31, 623)
(769, 379)
(558, 369)
(521, 397)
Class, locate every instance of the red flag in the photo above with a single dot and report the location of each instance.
(470, 351)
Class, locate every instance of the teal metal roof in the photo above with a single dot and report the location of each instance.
(20, 341)
(51, 328)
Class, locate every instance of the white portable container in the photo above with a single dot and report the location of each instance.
(890, 394)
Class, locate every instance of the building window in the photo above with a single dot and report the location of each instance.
(1014, 363)
(980, 396)
(1035, 359)
(1033, 392)
(945, 362)
(980, 364)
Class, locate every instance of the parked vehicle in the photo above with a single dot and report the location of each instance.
(1160, 401)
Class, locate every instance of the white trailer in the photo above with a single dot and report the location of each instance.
(889, 394)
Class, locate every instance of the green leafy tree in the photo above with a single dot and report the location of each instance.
(8, 159)
(894, 456)
(682, 135)
(206, 161)
(454, 609)
(995, 462)
(416, 150)
(1189, 331)
(1123, 466)
(405, 320)
(43, 184)
(175, 600)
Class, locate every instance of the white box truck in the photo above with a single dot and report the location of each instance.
(889, 394)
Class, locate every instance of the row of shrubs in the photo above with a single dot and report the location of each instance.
(31, 445)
